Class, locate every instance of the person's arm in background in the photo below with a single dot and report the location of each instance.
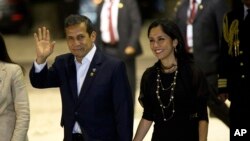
(224, 61)
(135, 22)
(221, 8)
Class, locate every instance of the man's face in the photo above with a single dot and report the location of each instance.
(79, 41)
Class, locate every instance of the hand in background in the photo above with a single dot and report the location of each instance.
(44, 47)
(129, 50)
(223, 97)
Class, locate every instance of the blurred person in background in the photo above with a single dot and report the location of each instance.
(95, 92)
(234, 69)
(14, 102)
(65, 8)
(81, 7)
(150, 9)
(88, 8)
(173, 92)
(118, 29)
(200, 22)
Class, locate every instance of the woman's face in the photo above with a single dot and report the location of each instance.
(161, 44)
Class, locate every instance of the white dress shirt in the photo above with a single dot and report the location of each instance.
(190, 25)
(104, 20)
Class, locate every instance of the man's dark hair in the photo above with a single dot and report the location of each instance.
(77, 19)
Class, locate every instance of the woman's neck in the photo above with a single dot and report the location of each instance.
(169, 65)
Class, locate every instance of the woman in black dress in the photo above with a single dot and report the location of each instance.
(173, 91)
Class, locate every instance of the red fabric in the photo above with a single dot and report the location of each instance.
(193, 12)
(111, 31)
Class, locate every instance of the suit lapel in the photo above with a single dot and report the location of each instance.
(91, 75)
(72, 77)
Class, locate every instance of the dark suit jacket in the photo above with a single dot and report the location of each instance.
(129, 27)
(104, 107)
(235, 69)
(207, 27)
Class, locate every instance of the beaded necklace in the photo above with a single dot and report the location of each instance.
(171, 97)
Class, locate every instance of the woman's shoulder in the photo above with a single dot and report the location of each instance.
(10, 66)
(11, 69)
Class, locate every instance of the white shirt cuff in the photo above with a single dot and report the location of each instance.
(39, 67)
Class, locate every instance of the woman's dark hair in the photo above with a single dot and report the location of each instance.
(77, 19)
(172, 30)
(4, 56)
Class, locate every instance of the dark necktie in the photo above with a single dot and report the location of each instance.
(192, 12)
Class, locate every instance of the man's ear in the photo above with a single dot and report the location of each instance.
(93, 36)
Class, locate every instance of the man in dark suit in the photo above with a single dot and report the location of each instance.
(200, 22)
(95, 92)
(234, 69)
(126, 26)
